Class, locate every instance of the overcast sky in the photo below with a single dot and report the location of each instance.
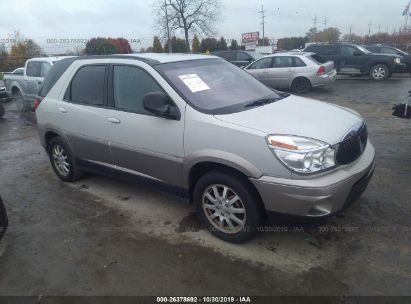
(133, 19)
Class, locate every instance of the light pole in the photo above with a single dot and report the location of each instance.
(168, 29)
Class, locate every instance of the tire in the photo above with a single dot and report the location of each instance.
(3, 219)
(2, 110)
(379, 72)
(301, 85)
(62, 161)
(21, 104)
(237, 223)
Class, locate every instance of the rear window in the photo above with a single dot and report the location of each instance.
(33, 69)
(314, 58)
(53, 75)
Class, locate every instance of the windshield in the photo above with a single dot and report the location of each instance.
(363, 49)
(214, 85)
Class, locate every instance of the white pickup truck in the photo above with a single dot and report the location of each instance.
(23, 87)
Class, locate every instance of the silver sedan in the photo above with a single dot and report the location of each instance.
(294, 70)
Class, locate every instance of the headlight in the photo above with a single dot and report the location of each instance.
(397, 60)
(303, 155)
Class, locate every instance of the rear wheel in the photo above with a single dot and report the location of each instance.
(21, 104)
(301, 85)
(379, 72)
(228, 206)
(62, 161)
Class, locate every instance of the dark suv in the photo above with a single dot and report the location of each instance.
(238, 58)
(355, 59)
(385, 49)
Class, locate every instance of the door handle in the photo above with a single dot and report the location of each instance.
(113, 120)
(62, 110)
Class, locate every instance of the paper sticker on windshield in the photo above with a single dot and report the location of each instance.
(194, 83)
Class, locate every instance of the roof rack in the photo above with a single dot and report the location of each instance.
(114, 56)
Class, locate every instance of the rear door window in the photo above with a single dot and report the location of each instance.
(88, 85)
(130, 85)
(386, 50)
(33, 69)
(229, 56)
(283, 62)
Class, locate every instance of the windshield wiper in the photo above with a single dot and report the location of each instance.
(261, 102)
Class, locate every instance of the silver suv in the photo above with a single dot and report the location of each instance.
(237, 148)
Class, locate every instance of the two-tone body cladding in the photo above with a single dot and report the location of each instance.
(236, 147)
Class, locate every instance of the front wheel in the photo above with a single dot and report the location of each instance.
(301, 85)
(228, 206)
(379, 72)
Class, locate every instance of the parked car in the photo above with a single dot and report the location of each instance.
(18, 71)
(238, 58)
(295, 70)
(354, 59)
(384, 49)
(237, 148)
(3, 219)
(24, 84)
(3, 93)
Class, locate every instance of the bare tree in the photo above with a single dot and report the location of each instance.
(195, 16)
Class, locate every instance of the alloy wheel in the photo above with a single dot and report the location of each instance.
(379, 73)
(223, 208)
(60, 160)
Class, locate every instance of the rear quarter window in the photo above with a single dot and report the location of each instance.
(54, 74)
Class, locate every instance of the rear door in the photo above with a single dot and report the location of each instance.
(283, 71)
(83, 113)
(140, 141)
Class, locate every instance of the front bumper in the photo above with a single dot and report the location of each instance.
(400, 68)
(320, 196)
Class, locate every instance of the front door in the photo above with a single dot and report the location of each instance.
(139, 140)
(261, 70)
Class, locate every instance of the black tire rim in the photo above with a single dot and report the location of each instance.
(301, 85)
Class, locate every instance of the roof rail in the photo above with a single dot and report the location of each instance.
(114, 56)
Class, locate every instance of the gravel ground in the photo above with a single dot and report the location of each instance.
(107, 236)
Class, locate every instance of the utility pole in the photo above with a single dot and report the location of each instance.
(168, 28)
(315, 27)
(263, 21)
(350, 33)
(369, 28)
(325, 22)
(379, 28)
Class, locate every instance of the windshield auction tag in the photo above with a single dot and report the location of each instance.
(194, 82)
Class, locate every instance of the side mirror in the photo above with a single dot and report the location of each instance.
(357, 53)
(160, 104)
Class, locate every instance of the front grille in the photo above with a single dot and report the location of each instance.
(352, 146)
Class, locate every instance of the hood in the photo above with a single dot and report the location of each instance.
(298, 116)
(385, 55)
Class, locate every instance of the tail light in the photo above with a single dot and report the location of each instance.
(321, 70)
(37, 102)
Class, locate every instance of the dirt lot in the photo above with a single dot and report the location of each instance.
(105, 236)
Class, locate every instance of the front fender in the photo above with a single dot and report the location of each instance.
(218, 157)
